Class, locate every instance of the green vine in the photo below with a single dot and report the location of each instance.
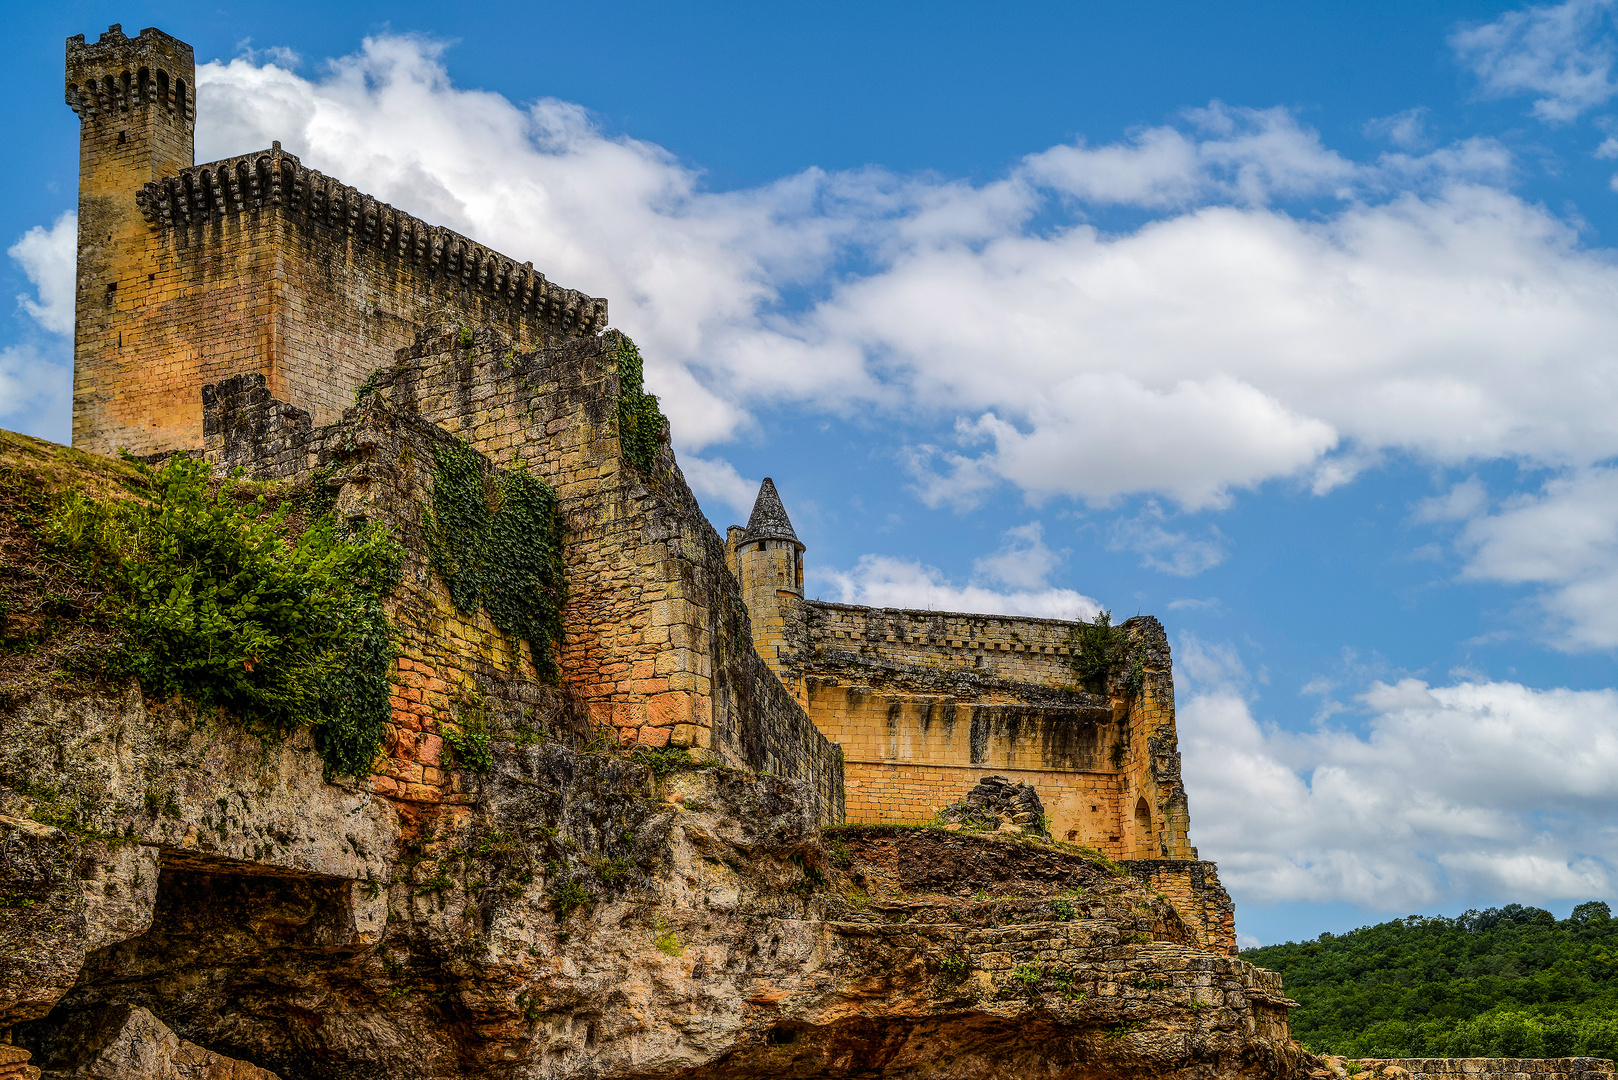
(640, 421)
(214, 602)
(496, 540)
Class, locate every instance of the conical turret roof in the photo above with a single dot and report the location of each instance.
(769, 520)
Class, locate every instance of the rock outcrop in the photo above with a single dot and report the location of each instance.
(125, 1042)
(578, 916)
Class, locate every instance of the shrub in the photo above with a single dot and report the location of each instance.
(567, 898)
(216, 604)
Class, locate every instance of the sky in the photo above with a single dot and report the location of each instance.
(1293, 325)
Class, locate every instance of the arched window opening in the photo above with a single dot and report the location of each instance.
(1143, 814)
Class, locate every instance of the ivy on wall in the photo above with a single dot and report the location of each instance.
(496, 540)
(213, 600)
(640, 421)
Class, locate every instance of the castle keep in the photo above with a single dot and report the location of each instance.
(271, 318)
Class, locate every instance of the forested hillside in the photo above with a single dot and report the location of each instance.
(1506, 982)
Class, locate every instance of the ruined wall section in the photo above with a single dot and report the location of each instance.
(454, 667)
(1486, 1068)
(1193, 887)
(657, 645)
(925, 703)
(1004, 647)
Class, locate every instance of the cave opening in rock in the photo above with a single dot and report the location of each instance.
(239, 959)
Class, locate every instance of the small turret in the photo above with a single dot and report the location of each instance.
(769, 565)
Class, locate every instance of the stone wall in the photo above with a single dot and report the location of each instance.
(1010, 648)
(291, 274)
(1194, 889)
(1501, 1068)
(923, 703)
(657, 645)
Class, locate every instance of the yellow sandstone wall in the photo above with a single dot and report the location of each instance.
(189, 275)
(924, 704)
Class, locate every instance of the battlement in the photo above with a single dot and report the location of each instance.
(118, 73)
(277, 180)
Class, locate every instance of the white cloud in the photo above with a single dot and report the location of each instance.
(36, 392)
(717, 480)
(1235, 154)
(1022, 564)
(1416, 306)
(885, 581)
(1406, 130)
(50, 259)
(1474, 789)
(1565, 539)
(1023, 561)
(1561, 55)
(1176, 553)
(1463, 500)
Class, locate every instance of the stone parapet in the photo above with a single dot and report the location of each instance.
(276, 180)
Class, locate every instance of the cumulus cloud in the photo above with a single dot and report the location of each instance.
(36, 391)
(1021, 565)
(1177, 553)
(50, 259)
(1565, 539)
(1023, 561)
(1561, 55)
(1463, 500)
(715, 480)
(1478, 788)
(1406, 304)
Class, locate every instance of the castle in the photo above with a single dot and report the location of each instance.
(271, 318)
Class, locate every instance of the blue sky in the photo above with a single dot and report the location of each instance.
(1293, 325)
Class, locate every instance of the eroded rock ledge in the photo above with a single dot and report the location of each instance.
(576, 917)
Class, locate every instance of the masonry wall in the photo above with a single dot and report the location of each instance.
(1018, 650)
(1492, 1068)
(1193, 887)
(256, 264)
(926, 703)
(657, 645)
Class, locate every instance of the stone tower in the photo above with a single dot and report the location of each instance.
(136, 101)
(190, 275)
(769, 565)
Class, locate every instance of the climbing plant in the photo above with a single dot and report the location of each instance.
(640, 421)
(496, 540)
(214, 601)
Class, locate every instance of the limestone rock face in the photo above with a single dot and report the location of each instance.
(125, 1042)
(576, 916)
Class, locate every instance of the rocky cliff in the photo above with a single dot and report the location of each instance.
(571, 907)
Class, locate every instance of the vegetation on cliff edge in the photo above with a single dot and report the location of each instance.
(199, 589)
(1505, 982)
